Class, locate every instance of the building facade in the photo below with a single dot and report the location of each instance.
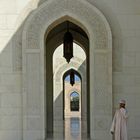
(30, 31)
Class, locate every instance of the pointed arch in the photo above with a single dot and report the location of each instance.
(69, 71)
(36, 27)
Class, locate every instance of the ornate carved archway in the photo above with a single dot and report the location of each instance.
(92, 21)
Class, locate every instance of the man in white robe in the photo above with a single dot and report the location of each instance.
(119, 124)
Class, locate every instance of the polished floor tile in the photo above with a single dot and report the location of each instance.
(72, 130)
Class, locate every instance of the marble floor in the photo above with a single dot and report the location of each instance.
(73, 130)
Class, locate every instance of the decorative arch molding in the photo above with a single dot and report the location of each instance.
(64, 68)
(74, 90)
(75, 72)
(93, 22)
(62, 10)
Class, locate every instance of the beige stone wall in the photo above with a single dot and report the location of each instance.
(124, 19)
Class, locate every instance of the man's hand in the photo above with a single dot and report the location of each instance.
(112, 132)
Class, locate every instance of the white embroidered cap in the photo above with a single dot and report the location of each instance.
(122, 101)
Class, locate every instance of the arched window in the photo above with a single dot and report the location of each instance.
(74, 101)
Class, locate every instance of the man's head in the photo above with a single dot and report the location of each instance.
(122, 103)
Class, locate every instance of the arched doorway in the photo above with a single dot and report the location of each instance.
(70, 92)
(60, 69)
(36, 56)
(74, 102)
(74, 106)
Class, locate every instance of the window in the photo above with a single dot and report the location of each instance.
(74, 101)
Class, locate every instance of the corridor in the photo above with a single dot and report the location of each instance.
(73, 130)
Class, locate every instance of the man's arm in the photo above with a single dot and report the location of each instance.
(112, 129)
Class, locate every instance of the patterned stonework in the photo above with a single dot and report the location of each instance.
(17, 50)
(67, 6)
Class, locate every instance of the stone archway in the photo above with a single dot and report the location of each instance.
(80, 87)
(78, 65)
(92, 21)
(56, 106)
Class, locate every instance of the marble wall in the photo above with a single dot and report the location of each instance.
(123, 17)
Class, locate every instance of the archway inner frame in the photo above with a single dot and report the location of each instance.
(58, 32)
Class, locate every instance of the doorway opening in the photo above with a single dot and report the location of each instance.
(56, 96)
(72, 105)
(72, 95)
(74, 101)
